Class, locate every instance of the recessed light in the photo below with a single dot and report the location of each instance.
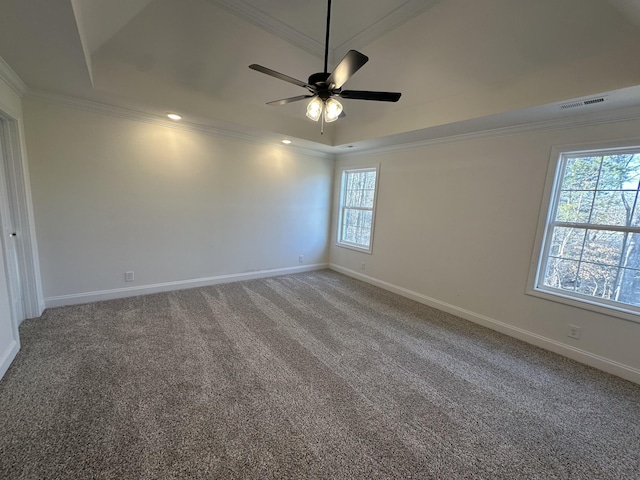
(174, 116)
(286, 142)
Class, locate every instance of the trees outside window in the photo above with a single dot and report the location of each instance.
(357, 207)
(591, 245)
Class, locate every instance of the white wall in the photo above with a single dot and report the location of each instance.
(455, 227)
(173, 205)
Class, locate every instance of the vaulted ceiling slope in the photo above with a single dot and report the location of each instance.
(455, 61)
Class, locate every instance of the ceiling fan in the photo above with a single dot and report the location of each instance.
(323, 87)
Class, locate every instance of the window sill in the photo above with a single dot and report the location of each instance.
(586, 304)
(354, 247)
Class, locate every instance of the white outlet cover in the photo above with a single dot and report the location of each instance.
(574, 332)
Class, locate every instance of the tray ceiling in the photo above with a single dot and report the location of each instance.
(453, 60)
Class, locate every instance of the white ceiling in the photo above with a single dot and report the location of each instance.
(453, 60)
(348, 19)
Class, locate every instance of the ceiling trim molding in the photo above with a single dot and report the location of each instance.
(154, 119)
(585, 120)
(271, 25)
(400, 15)
(11, 78)
(573, 121)
(408, 10)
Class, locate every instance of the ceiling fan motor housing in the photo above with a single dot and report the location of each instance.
(319, 81)
(318, 78)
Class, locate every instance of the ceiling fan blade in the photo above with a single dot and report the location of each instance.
(366, 95)
(284, 101)
(278, 75)
(350, 64)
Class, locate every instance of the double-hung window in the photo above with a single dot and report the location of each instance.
(357, 207)
(590, 245)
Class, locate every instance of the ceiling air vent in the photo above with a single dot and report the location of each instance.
(582, 103)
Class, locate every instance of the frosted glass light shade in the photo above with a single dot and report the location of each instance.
(332, 110)
(314, 109)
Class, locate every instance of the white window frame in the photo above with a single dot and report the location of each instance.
(341, 207)
(542, 243)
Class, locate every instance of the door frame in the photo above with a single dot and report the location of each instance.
(20, 211)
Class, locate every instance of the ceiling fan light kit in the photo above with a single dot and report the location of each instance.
(324, 86)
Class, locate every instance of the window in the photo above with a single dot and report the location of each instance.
(590, 248)
(357, 207)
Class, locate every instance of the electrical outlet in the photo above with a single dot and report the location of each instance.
(363, 266)
(574, 332)
(128, 276)
(300, 258)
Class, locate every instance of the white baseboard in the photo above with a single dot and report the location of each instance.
(39, 310)
(42, 304)
(8, 357)
(611, 366)
(88, 297)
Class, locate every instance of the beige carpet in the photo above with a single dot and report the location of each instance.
(311, 375)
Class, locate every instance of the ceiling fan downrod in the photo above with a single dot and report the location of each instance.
(326, 40)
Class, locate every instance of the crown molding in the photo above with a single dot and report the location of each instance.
(160, 120)
(271, 25)
(400, 15)
(11, 78)
(584, 120)
(574, 121)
